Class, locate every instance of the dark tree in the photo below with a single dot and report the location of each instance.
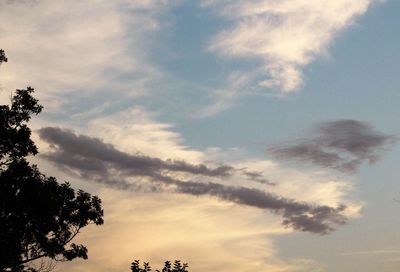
(167, 267)
(2, 56)
(39, 217)
(178, 267)
(135, 266)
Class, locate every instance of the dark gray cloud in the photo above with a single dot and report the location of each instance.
(297, 215)
(256, 176)
(342, 144)
(94, 160)
(93, 154)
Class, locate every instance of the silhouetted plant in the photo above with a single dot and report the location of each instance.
(167, 267)
(3, 57)
(178, 267)
(38, 216)
(135, 266)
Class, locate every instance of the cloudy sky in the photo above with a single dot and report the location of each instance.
(235, 135)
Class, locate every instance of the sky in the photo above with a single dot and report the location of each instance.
(235, 135)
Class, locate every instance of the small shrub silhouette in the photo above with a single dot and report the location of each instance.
(178, 266)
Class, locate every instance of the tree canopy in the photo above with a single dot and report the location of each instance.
(39, 217)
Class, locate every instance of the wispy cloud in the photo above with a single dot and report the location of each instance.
(93, 159)
(93, 154)
(342, 145)
(256, 176)
(373, 252)
(282, 36)
(92, 52)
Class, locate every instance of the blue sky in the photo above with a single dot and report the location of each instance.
(200, 85)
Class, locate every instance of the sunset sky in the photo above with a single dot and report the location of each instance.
(235, 135)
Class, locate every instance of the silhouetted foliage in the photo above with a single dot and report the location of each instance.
(167, 267)
(178, 267)
(3, 57)
(39, 217)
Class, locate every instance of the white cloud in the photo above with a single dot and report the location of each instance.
(136, 130)
(95, 46)
(283, 36)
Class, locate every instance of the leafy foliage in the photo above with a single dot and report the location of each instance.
(177, 267)
(15, 140)
(3, 57)
(39, 217)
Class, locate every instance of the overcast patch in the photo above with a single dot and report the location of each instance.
(92, 159)
(342, 145)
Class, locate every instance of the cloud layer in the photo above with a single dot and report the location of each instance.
(91, 49)
(342, 145)
(95, 160)
(283, 36)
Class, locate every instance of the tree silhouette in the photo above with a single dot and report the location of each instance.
(2, 56)
(178, 267)
(167, 267)
(39, 217)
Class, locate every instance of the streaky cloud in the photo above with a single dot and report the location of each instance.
(256, 176)
(92, 153)
(341, 144)
(298, 215)
(100, 162)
